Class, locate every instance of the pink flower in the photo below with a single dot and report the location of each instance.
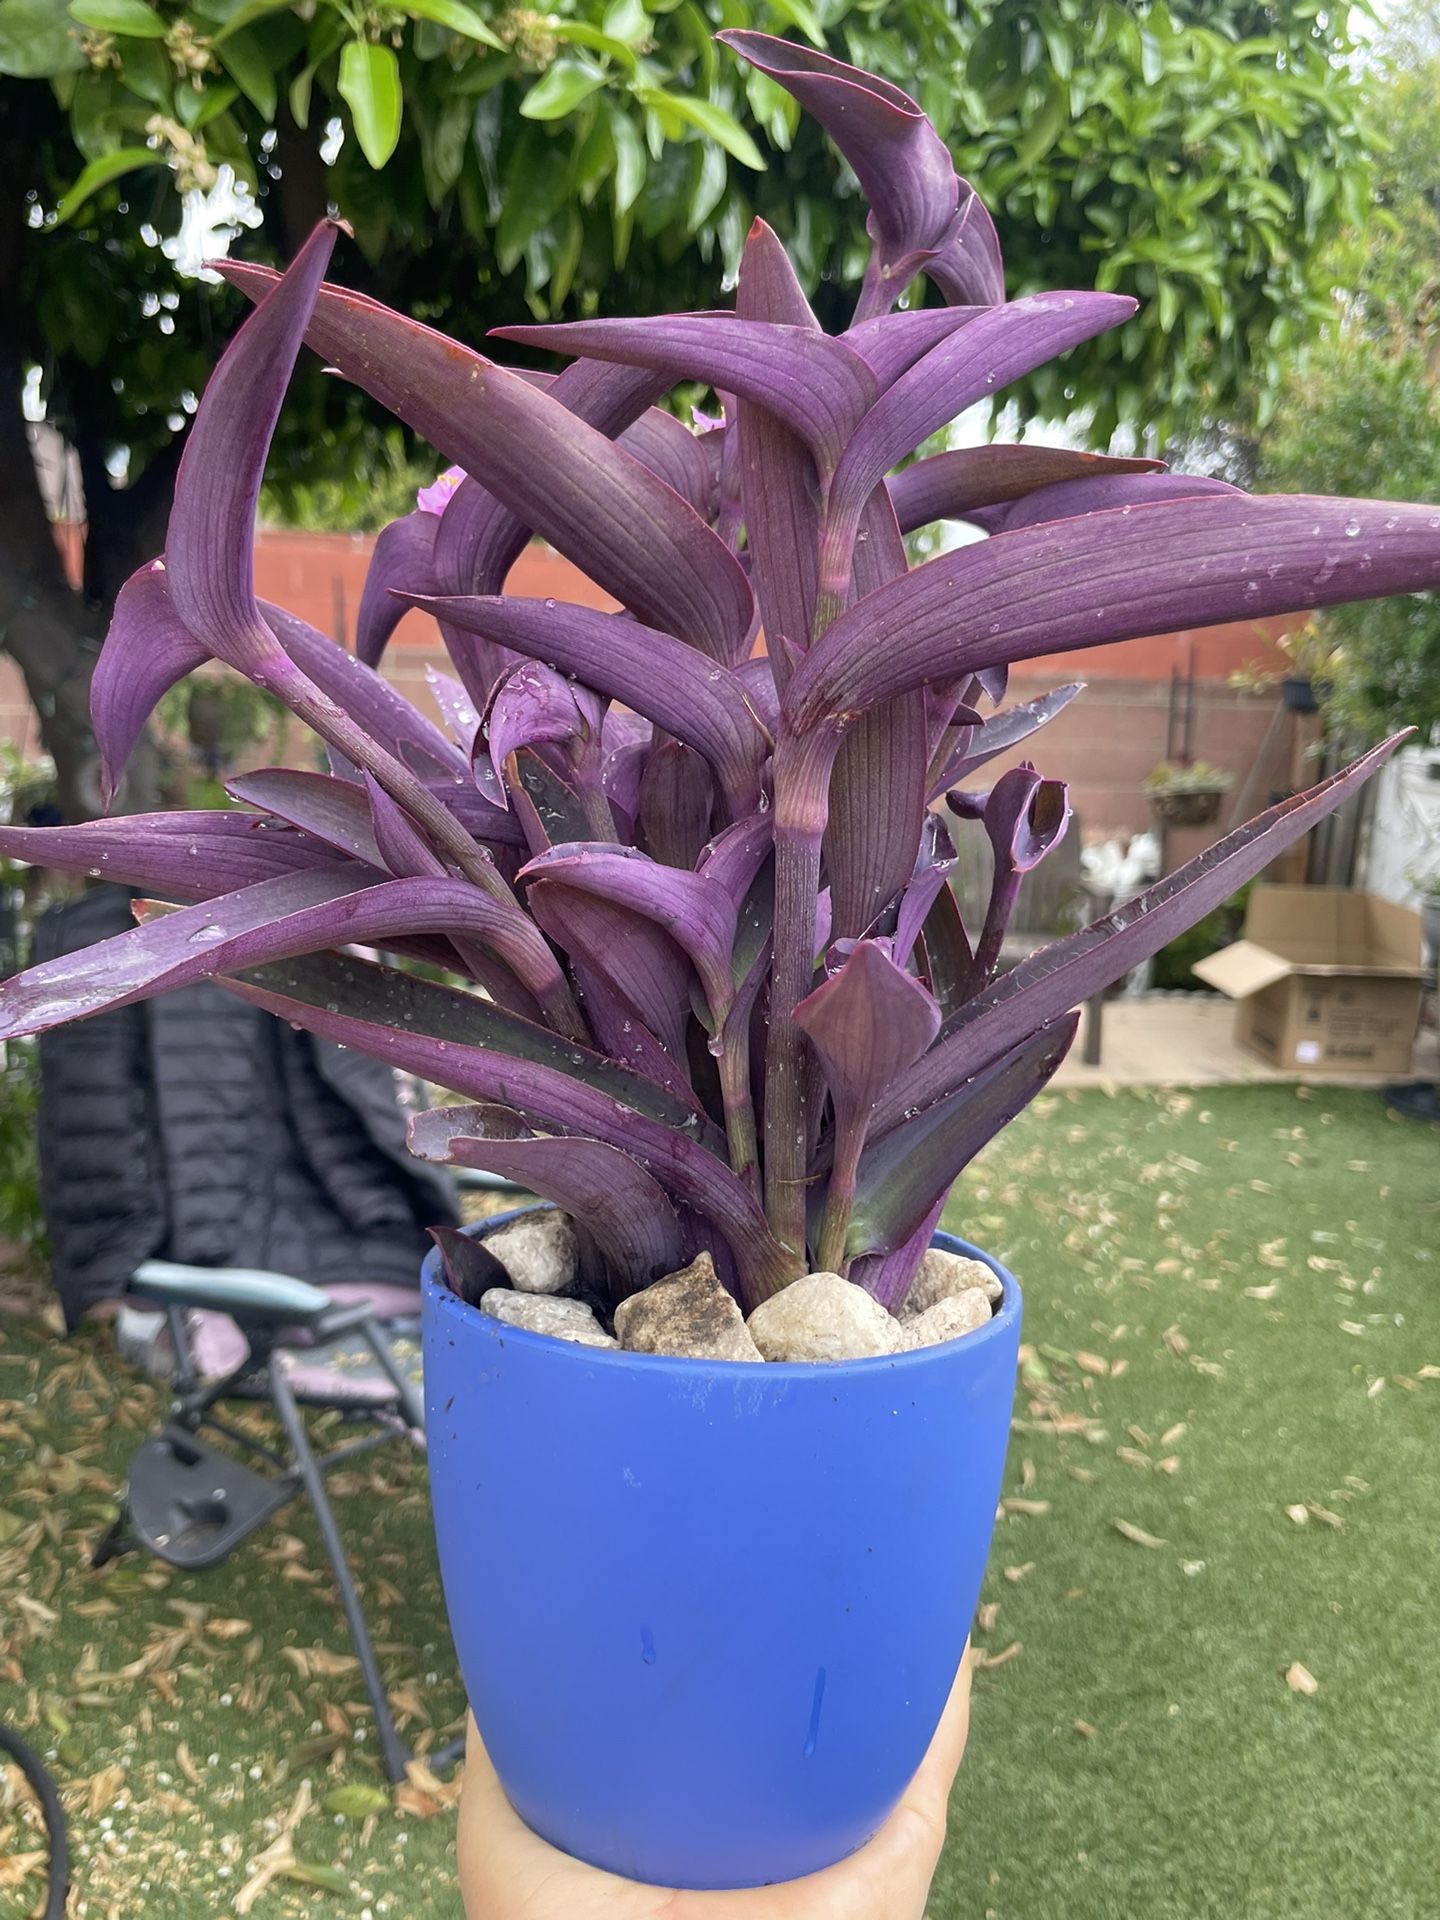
(436, 497)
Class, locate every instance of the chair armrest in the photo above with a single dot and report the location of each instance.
(245, 1293)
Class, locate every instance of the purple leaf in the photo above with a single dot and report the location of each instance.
(616, 1018)
(477, 814)
(480, 540)
(950, 485)
(877, 788)
(779, 487)
(968, 268)
(385, 715)
(335, 811)
(209, 555)
(403, 556)
(970, 748)
(650, 671)
(1071, 970)
(132, 965)
(903, 1175)
(457, 709)
(532, 704)
(1095, 494)
(949, 960)
(903, 166)
(546, 804)
(693, 909)
(274, 920)
(677, 796)
(639, 962)
(673, 454)
(192, 856)
(814, 385)
(930, 879)
(602, 1187)
(978, 361)
(470, 1267)
(596, 503)
(1024, 818)
(447, 1019)
(403, 851)
(757, 683)
(887, 1277)
(733, 859)
(553, 1096)
(891, 343)
(1113, 576)
(867, 1023)
(147, 650)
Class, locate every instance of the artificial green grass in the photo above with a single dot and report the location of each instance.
(1205, 1786)
(1139, 1224)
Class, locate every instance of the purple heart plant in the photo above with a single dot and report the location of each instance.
(713, 988)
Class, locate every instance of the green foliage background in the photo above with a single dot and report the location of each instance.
(1200, 154)
(1360, 414)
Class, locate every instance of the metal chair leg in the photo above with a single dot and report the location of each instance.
(393, 1752)
(1094, 1013)
(411, 1409)
(115, 1542)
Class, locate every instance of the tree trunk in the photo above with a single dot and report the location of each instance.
(51, 632)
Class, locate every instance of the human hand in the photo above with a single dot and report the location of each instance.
(509, 1873)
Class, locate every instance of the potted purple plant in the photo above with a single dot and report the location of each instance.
(714, 997)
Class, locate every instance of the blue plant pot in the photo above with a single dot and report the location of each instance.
(708, 1616)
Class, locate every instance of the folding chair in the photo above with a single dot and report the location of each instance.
(241, 1335)
(287, 1344)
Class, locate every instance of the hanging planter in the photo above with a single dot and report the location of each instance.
(1298, 693)
(1187, 796)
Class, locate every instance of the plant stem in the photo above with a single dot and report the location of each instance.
(739, 1105)
(337, 729)
(837, 555)
(1003, 895)
(802, 778)
(839, 1200)
(877, 293)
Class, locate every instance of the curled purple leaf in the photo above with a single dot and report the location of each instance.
(403, 556)
(949, 486)
(147, 650)
(602, 1187)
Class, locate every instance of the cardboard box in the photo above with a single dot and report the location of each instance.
(1326, 980)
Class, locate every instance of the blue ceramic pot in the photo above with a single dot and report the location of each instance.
(707, 1615)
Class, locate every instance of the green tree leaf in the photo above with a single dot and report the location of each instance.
(370, 87)
(131, 17)
(711, 120)
(631, 160)
(38, 39)
(458, 17)
(799, 13)
(561, 90)
(244, 58)
(99, 173)
(243, 15)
